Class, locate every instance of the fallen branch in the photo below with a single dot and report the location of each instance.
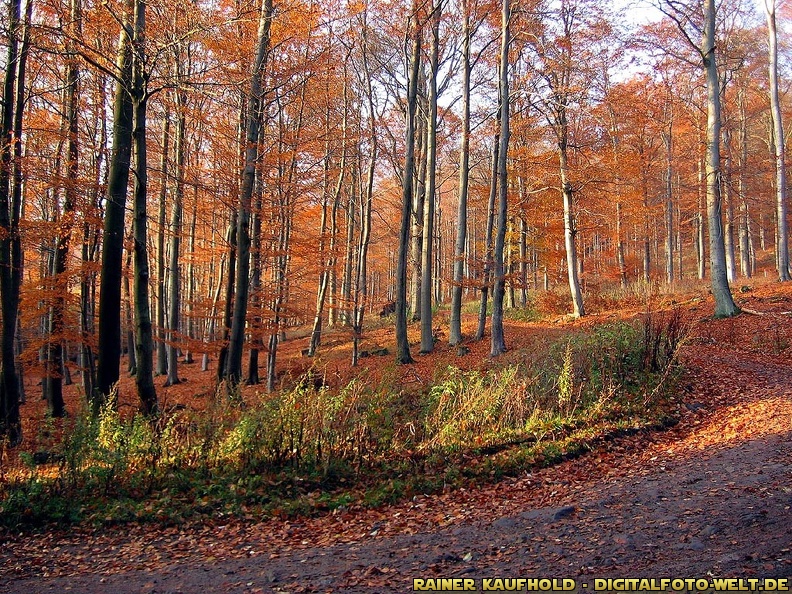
(753, 312)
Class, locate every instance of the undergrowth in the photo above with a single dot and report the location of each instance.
(311, 448)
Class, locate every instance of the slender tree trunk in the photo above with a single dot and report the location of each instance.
(569, 229)
(402, 343)
(361, 288)
(724, 303)
(419, 201)
(90, 242)
(523, 263)
(745, 253)
(257, 340)
(455, 332)
(222, 356)
(55, 404)
(130, 330)
(144, 339)
(191, 281)
(210, 327)
(174, 274)
(701, 210)
(782, 245)
(486, 277)
(162, 348)
(427, 260)
(498, 344)
(233, 371)
(620, 260)
(669, 197)
(728, 199)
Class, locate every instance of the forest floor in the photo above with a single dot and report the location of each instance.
(710, 496)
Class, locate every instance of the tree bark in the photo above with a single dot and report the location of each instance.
(724, 303)
(402, 343)
(109, 346)
(174, 274)
(233, 372)
(498, 343)
(668, 143)
(54, 380)
(10, 240)
(144, 339)
(782, 246)
(361, 287)
(427, 260)
(455, 332)
(486, 276)
(162, 348)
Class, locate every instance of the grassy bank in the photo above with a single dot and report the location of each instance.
(311, 449)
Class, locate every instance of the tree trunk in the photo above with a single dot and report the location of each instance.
(427, 260)
(669, 196)
(724, 304)
(257, 340)
(701, 256)
(174, 274)
(326, 255)
(222, 356)
(782, 246)
(455, 331)
(498, 344)
(54, 380)
(419, 200)
(745, 252)
(569, 229)
(10, 207)
(728, 200)
(109, 346)
(130, 332)
(361, 288)
(233, 371)
(144, 339)
(90, 243)
(191, 280)
(488, 247)
(162, 347)
(402, 343)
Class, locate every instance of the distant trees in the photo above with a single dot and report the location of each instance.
(314, 163)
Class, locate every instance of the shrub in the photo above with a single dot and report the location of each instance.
(281, 447)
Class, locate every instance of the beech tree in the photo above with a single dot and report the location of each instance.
(10, 206)
(233, 366)
(402, 343)
(498, 344)
(144, 344)
(109, 345)
(427, 260)
(724, 303)
(455, 330)
(782, 250)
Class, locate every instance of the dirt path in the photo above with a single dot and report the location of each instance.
(710, 496)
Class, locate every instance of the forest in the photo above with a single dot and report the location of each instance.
(198, 185)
